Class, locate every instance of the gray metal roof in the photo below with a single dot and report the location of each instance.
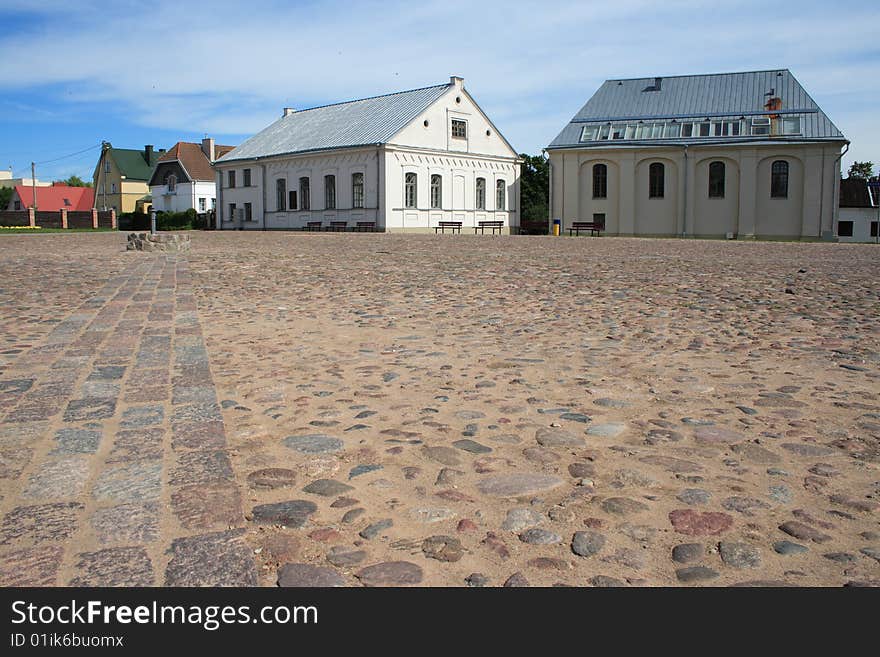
(698, 97)
(355, 123)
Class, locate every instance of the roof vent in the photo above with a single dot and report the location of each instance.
(655, 86)
(287, 111)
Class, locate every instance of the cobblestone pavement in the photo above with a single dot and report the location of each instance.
(334, 410)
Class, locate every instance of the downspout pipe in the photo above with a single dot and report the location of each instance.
(834, 192)
(684, 225)
(549, 193)
(263, 177)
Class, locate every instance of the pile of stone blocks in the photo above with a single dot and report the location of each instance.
(167, 242)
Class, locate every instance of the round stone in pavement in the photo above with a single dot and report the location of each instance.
(476, 580)
(518, 520)
(316, 443)
(623, 506)
(271, 478)
(327, 487)
(688, 552)
(293, 513)
(390, 573)
(787, 547)
(538, 536)
(553, 437)
(515, 580)
(739, 555)
(694, 496)
(805, 449)
(304, 574)
(717, 436)
(694, 523)
(472, 446)
(587, 543)
(343, 556)
(442, 548)
(517, 484)
(608, 430)
(695, 574)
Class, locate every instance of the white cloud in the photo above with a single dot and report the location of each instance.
(228, 68)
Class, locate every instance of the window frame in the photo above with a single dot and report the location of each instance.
(248, 212)
(480, 193)
(292, 200)
(779, 179)
(656, 182)
(330, 191)
(458, 126)
(246, 178)
(851, 225)
(357, 190)
(305, 193)
(501, 195)
(411, 190)
(281, 194)
(717, 185)
(600, 180)
(436, 191)
(230, 179)
(203, 203)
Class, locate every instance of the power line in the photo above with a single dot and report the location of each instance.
(64, 157)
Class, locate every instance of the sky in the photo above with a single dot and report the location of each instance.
(134, 72)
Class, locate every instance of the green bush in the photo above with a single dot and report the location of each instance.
(177, 220)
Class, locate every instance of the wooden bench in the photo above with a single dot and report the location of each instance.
(339, 226)
(366, 226)
(314, 225)
(595, 227)
(494, 225)
(451, 225)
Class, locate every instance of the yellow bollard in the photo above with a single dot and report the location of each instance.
(557, 227)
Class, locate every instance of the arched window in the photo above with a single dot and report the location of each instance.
(330, 192)
(171, 181)
(600, 181)
(779, 179)
(656, 180)
(357, 190)
(436, 190)
(280, 194)
(500, 195)
(481, 194)
(410, 197)
(305, 200)
(716, 180)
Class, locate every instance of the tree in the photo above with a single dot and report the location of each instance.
(534, 190)
(861, 170)
(5, 194)
(76, 181)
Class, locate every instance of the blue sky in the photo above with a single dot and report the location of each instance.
(135, 72)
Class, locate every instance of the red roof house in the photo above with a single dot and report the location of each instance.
(53, 199)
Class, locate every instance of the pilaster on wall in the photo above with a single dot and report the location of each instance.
(812, 200)
(689, 194)
(748, 190)
(627, 221)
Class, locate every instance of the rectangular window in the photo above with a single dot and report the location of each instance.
(203, 204)
(761, 126)
(656, 180)
(232, 215)
(618, 131)
(459, 129)
(673, 131)
(704, 129)
(112, 188)
(500, 195)
(845, 228)
(630, 132)
(357, 190)
(436, 191)
(481, 194)
(599, 218)
(248, 212)
(18, 205)
(280, 194)
(330, 192)
(213, 203)
(687, 129)
(791, 125)
(644, 131)
(589, 133)
(305, 201)
(657, 131)
(874, 229)
(246, 177)
(735, 128)
(231, 179)
(291, 197)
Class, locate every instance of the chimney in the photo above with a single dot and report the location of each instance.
(287, 111)
(456, 81)
(208, 148)
(148, 153)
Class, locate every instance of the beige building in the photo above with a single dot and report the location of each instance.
(737, 155)
(122, 178)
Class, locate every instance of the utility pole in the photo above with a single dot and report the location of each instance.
(34, 184)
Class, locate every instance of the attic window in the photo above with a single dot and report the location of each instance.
(67, 202)
(459, 129)
(654, 87)
(791, 125)
(761, 126)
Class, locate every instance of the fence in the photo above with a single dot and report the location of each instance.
(59, 219)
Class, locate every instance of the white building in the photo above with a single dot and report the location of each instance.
(404, 161)
(740, 155)
(184, 177)
(6, 180)
(859, 211)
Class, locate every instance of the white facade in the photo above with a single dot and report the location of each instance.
(422, 175)
(200, 195)
(863, 227)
